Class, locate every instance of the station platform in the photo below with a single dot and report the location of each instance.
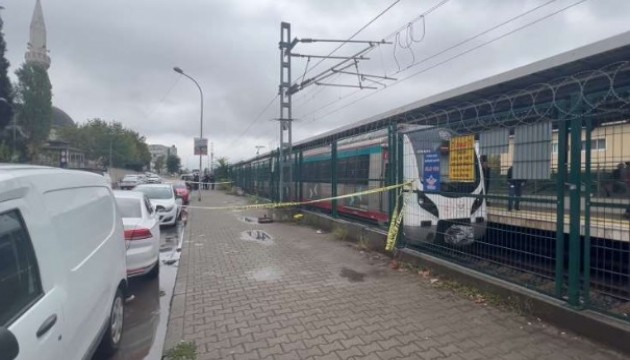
(611, 226)
(295, 292)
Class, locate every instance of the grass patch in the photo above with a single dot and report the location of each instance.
(182, 351)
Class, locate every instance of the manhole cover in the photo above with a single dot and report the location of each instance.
(256, 235)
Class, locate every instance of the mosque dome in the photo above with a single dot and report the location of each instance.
(60, 118)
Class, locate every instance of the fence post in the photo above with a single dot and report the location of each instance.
(588, 182)
(333, 164)
(300, 167)
(400, 241)
(560, 186)
(575, 201)
(391, 169)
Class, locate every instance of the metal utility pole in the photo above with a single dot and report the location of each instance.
(285, 102)
(258, 147)
(286, 89)
(180, 71)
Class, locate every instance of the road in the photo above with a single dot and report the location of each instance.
(146, 313)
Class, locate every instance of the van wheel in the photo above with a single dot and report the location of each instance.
(155, 271)
(111, 340)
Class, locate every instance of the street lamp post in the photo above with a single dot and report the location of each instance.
(180, 71)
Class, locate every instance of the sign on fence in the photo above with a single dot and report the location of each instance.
(431, 172)
(462, 158)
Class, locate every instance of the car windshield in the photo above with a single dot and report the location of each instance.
(129, 208)
(154, 192)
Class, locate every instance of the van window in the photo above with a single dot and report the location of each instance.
(20, 285)
(84, 219)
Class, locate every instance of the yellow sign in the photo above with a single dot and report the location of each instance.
(462, 159)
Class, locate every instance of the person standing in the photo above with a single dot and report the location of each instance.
(196, 182)
(515, 190)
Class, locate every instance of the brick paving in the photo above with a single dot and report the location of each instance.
(286, 298)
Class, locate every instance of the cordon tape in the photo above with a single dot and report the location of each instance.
(394, 224)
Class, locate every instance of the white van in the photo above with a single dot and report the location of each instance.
(62, 264)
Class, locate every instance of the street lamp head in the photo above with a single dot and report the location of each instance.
(178, 70)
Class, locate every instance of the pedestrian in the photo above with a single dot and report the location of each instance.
(206, 179)
(515, 190)
(212, 180)
(196, 182)
(485, 169)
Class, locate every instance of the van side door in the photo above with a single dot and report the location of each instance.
(30, 302)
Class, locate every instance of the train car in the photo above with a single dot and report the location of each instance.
(440, 208)
(361, 165)
(452, 214)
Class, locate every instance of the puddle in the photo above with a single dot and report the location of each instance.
(266, 274)
(260, 236)
(351, 275)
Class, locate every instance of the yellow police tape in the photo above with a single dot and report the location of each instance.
(209, 183)
(394, 224)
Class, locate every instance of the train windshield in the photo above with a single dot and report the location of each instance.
(435, 145)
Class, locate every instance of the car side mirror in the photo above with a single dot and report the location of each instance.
(9, 347)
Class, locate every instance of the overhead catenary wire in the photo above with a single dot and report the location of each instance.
(452, 57)
(354, 35)
(256, 119)
(167, 93)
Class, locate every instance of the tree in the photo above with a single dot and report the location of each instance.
(222, 170)
(173, 163)
(109, 143)
(6, 90)
(159, 164)
(34, 97)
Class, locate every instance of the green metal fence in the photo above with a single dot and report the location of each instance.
(531, 185)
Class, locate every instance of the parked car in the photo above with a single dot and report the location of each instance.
(188, 178)
(182, 191)
(130, 181)
(162, 196)
(142, 233)
(62, 264)
(154, 179)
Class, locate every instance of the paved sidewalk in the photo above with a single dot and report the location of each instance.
(304, 295)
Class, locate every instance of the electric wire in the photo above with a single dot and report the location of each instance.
(452, 58)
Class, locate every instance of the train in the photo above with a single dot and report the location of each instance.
(448, 211)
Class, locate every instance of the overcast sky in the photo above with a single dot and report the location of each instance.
(113, 59)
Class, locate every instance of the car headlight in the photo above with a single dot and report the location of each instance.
(169, 208)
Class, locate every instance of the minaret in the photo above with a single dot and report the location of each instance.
(37, 54)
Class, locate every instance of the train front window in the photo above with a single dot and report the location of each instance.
(437, 141)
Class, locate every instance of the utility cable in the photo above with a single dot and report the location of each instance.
(354, 35)
(258, 117)
(454, 57)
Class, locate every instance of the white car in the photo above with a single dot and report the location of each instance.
(130, 181)
(142, 233)
(154, 179)
(63, 275)
(164, 200)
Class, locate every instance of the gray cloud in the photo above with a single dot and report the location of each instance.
(113, 59)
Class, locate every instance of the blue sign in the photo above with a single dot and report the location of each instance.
(431, 172)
